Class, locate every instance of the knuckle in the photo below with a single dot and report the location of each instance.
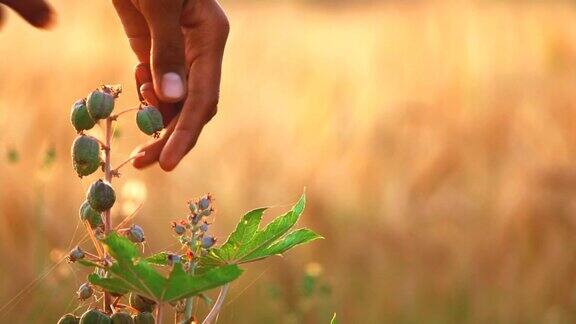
(222, 25)
(211, 113)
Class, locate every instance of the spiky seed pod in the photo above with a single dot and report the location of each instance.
(149, 120)
(193, 207)
(179, 229)
(206, 212)
(101, 196)
(85, 155)
(85, 291)
(76, 254)
(100, 104)
(141, 303)
(205, 202)
(144, 318)
(136, 234)
(80, 117)
(121, 318)
(94, 316)
(208, 242)
(195, 219)
(69, 319)
(89, 214)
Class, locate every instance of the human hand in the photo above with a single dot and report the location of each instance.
(180, 45)
(37, 12)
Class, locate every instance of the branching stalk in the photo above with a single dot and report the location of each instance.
(108, 176)
(117, 169)
(213, 314)
(114, 117)
(190, 300)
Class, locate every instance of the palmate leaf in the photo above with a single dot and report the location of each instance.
(291, 240)
(249, 243)
(113, 285)
(160, 258)
(131, 272)
(244, 232)
(182, 285)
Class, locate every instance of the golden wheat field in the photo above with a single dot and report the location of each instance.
(436, 142)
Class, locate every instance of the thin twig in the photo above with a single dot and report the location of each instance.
(159, 314)
(213, 314)
(129, 217)
(93, 238)
(114, 117)
(116, 170)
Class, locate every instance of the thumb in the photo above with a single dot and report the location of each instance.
(167, 56)
(36, 12)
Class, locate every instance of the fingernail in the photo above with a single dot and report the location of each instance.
(172, 86)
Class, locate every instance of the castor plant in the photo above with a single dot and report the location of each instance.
(137, 288)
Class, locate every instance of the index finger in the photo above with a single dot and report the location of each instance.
(205, 41)
(199, 107)
(135, 27)
(36, 12)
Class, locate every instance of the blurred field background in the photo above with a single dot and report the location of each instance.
(436, 142)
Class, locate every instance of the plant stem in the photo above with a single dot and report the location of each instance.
(190, 300)
(117, 169)
(108, 171)
(114, 117)
(188, 309)
(106, 218)
(217, 305)
(159, 314)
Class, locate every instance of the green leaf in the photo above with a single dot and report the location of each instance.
(114, 285)
(249, 243)
(244, 232)
(135, 271)
(131, 272)
(334, 321)
(276, 229)
(160, 259)
(291, 240)
(182, 285)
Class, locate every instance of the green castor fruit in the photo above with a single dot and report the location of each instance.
(144, 318)
(122, 318)
(100, 104)
(87, 213)
(141, 303)
(101, 196)
(149, 120)
(95, 316)
(80, 117)
(69, 319)
(85, 155)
